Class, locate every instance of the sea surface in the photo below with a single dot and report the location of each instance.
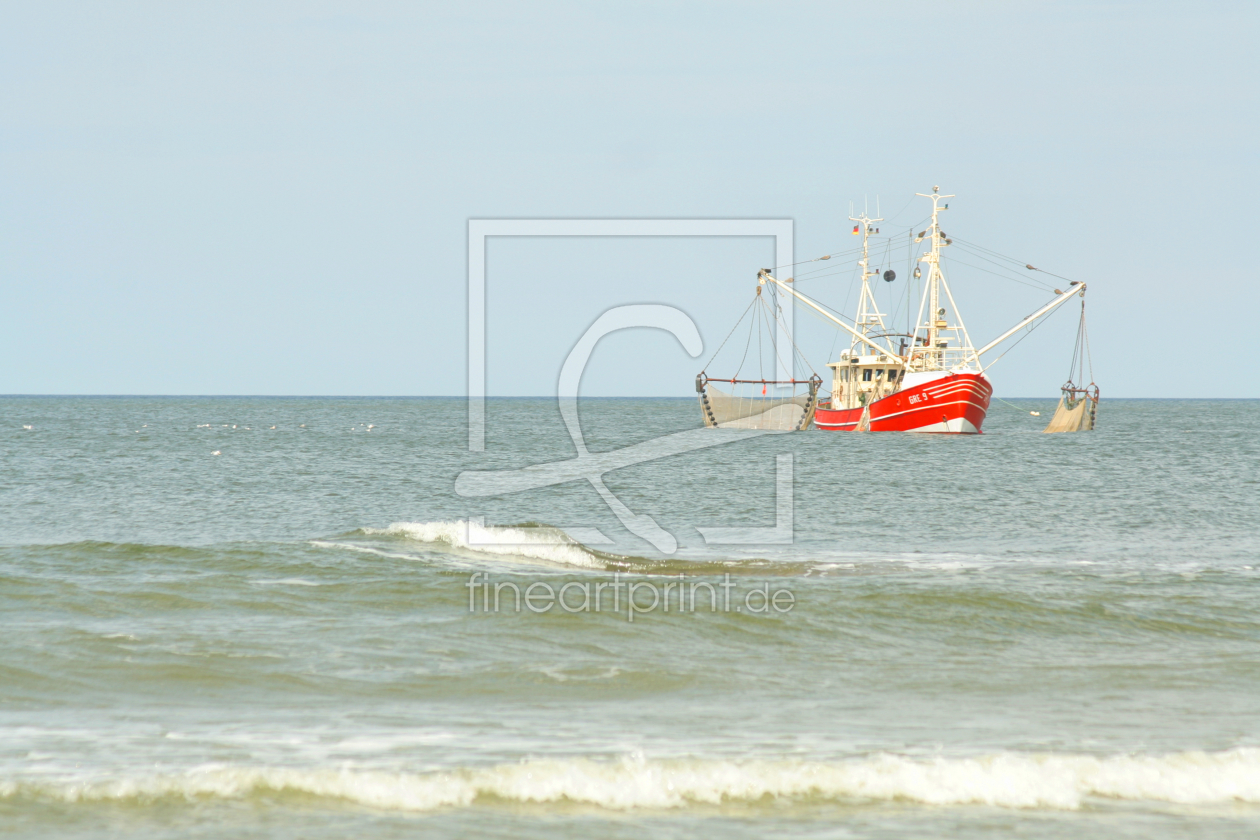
(275, 617)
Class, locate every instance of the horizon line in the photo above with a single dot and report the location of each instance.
(464, 397)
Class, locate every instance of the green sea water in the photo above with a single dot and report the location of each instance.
(268, 617)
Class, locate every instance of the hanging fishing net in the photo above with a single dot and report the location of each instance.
(1078, 406)
(782, 404)
(748, 404)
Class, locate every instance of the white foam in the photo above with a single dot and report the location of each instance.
(1010, 780)
(286, 582)
(550, 545)
(361, 549)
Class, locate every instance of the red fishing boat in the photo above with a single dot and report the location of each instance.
(932, 380)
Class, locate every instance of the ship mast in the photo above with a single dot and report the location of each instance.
(939, 355)
(868, 314)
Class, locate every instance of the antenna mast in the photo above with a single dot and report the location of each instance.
(868, 314)
(938, 355)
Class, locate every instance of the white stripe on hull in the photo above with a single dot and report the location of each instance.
(888, 417)
(957, 426)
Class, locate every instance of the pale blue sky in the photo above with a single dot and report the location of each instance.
(243, 198)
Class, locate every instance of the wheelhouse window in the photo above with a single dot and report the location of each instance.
(866, 375)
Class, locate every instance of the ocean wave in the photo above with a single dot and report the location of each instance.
(530, 541)
(552, 546)
(1008, 780)
(547, 545)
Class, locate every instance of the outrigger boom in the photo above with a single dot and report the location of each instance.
(1045, 310)
(935, 381)
(765, 276)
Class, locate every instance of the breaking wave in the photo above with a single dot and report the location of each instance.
(533, 542)
(1009, 780)
(549, 545)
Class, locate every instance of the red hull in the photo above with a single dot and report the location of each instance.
(954, 403)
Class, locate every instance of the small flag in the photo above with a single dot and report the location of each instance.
(855, 229)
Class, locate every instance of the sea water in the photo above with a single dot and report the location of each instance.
(273, 617)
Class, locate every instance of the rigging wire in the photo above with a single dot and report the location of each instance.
(1043, 271)
(836, 272)
(766, 315)
(853, 281)
(893, 218)
(967, 250)
(792, 341)
(1017, 408)
(910, 276)
(1026, 265)
(853, 252)
(910, 230)
(1089, 356)
(764, 320)
(1080, 351)
(772, 306)
(1027, 332)
(1040, 288)
(732, 332)
(892, 298)
(761, 370)
(747, 343)
(829, 256)
(1019, 263)
(831, 354)
(801, 355)
(777, 310)
(815, 314)
(847, 251)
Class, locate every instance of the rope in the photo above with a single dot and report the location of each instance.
(1085, 332)
(1041, 287)
(732, 332)
(747, 343)
(791, 341)
(762, 321)
(847, 251)
(1043, 271)
(1017, 408)
(1026, 265)
(1076, 350)
(761, 369)
(774, 312)
(1080, 351)
(893, 218)
(968, 249)
(1027, 333)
